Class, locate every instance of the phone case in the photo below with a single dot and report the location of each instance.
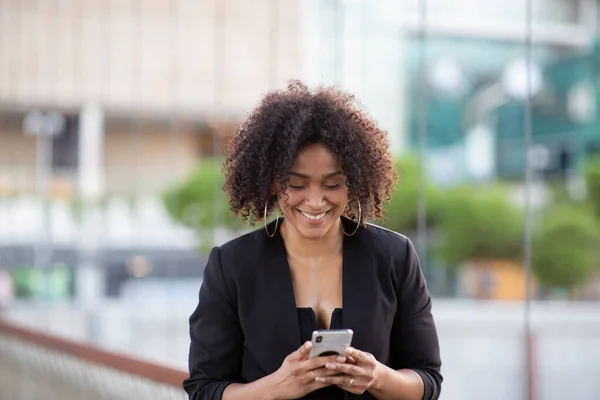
(330, 341)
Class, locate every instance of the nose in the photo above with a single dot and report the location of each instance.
(315, 199)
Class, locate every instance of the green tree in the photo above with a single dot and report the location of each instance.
(200, 203)
(564, 247)
(480, 223)
(592, 178)
(401, 213)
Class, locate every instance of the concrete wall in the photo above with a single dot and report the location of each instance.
(17, 159)
(158, 55)
(151, 61)
(146, 159)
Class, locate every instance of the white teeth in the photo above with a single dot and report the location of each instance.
(314, 217)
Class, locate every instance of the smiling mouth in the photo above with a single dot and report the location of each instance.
(314, 217)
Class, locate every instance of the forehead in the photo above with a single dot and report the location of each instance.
(316, 159)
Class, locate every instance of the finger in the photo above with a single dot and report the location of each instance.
(319, 362)
(319, 383)
(346, 369)
(357, 355)
(325, 372)
(335, 379)
(350, 360)
(352, 352)
(302, 353)
(347, 383)
(319, 376)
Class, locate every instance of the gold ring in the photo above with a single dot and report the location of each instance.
(351, 382)
(314, 376)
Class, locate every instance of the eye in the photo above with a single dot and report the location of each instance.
(337, 185)
(295, 186)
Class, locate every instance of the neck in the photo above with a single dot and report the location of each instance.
(300, 247)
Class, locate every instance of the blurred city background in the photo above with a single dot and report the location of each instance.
(113, 116)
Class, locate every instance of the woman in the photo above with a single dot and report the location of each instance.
(326, 167)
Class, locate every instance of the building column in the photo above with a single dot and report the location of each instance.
(90, 275)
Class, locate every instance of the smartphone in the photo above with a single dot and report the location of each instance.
(326, 342)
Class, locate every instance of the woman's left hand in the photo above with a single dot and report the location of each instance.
(357, 374)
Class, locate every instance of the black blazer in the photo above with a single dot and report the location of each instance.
(246, 322)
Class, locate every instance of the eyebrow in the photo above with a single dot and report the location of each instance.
(326, 176)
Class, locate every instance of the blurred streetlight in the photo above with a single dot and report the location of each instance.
(40, 123)
(522, 78)
(539, 157)
(44, 126)
(581, 102)
(479, 152)
(447, 78)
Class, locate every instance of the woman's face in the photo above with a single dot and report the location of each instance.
(316, 193)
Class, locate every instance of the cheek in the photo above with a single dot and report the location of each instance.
(286, 201)
(339, 199)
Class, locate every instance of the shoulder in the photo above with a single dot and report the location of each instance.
(385, 240)
(245, 249)
(393, 250)
(243, 242)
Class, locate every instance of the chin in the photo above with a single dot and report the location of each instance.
(316, 231)
(313, 234)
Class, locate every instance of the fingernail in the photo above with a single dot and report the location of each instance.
(330, 366)
(341, 359)
(320, 379)
(308, 345)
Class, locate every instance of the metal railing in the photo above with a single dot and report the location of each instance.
(36, 365)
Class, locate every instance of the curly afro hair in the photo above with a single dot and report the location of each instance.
(268, 140)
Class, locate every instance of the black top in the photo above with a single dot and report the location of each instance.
(247, 322)
(308, 323)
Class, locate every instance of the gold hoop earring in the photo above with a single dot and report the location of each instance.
(276, 222)
(357, 224)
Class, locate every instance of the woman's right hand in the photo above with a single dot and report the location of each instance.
(299, 375)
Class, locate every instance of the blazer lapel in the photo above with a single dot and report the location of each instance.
(282, 330)
(357, 301)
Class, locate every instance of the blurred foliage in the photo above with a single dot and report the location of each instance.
(480, 223)
(474, 222)
(26, 281)
(199, 201)
(592, 178)
(565, 246)
(53, 283)
(401, 213)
